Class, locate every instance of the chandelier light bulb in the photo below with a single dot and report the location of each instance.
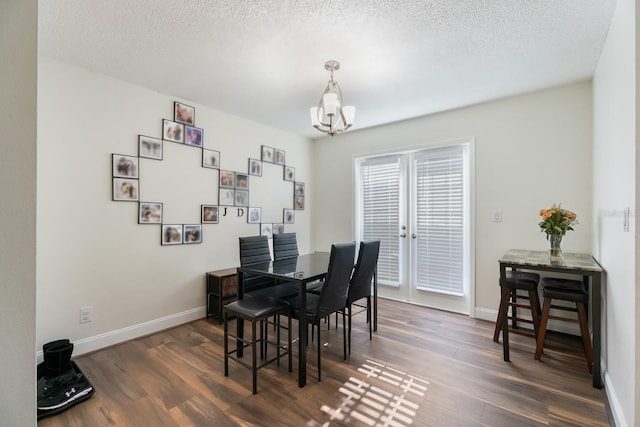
(330, 116)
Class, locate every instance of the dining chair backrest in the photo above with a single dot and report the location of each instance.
(333, 296)
(255, 250)
(360, 285)
(285, 245)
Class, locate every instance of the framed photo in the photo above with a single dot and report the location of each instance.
(266, 230)
(124, 166)
(171, 234)
(150, 213)
(298, 203)
(209, 214)
(210, 159)
(191, 233)
(255, 167)
(184, 113)
(242, 198)
(267, 154)
(278, 157)
(298, 189)
(125, 189)
(288, 216)
(226, 197)
(289, 173)
(172, 131)
(193, 136)
(278, 228)
(242, 181)
(254, 216)
(227, 179)
(150, 148)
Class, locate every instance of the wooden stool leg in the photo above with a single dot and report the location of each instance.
(543, 327)
(584, 330)
(535, 311)
(499, 320)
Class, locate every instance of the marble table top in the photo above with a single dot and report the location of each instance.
(570, 261)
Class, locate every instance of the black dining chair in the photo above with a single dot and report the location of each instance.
(361, 282)
(333, 295)
(255, 250)
(285, 246)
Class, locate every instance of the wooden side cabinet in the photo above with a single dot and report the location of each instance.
(222, 288)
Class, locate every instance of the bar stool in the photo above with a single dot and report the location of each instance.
(520, 281)
(565, 290)
(257, 309)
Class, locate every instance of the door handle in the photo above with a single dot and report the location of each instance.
(413, 236)
(403, 235)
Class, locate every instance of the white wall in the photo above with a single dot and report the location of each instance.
(530, 151)
(92, 252)
(614, 173)
(18, 68)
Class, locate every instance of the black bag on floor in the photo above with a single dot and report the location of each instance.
(61, 383)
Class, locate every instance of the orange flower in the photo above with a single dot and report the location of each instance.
(556, 221)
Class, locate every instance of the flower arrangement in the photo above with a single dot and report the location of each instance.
(556, 221)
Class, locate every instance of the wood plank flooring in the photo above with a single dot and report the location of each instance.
(423, 368)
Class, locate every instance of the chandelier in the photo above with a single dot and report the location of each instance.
(330, 116)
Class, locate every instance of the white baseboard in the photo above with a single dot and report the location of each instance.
(614, 402)
(97, 342)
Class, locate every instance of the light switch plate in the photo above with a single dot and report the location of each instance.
(496, 215)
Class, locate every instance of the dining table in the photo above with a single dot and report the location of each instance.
(583, 265)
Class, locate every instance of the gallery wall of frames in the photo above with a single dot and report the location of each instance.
(233, 186)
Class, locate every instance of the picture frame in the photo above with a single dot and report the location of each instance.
(191, 234)
(171, 234)
(288, 216)
(124, 166)
(254, 215)
(126, 190)
(193, 136)
(149, 147)
(277, 228)
(267, 154)
(289, 173)
(226, 197)
(227, 179)
(298, 203)
(210, 159)
(242, 181)
(172, 131)
(209, 214)
(184, 113)
(278, 157)
(298, 189)
(150, 213)
(255, 167)
(242, 198)
(266, 230)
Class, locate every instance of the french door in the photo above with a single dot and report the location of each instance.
(418, 204)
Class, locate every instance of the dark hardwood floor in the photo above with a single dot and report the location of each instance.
(423, 368)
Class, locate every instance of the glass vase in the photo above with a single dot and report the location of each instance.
(555, 251)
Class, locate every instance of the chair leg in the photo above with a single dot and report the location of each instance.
(254, 356)
(277, 341)
(543, 328)
(289, 342)
(349, 328)
(319, 347)
(369, 318)
(226, 345)
(496, 333)
(535, 311)
(584, 330)
(344, 334)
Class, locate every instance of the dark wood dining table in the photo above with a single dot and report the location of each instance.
(578, 264)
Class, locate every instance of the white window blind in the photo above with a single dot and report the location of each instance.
(440, 221)
(380, 189)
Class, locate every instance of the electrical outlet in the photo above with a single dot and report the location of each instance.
(496, 215)
(86, 314)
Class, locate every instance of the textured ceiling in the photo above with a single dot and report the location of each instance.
(264, 59)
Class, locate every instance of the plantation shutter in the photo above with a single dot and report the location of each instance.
(439, 220)
(380, 189)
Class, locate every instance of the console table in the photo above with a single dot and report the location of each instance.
(222, 288)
